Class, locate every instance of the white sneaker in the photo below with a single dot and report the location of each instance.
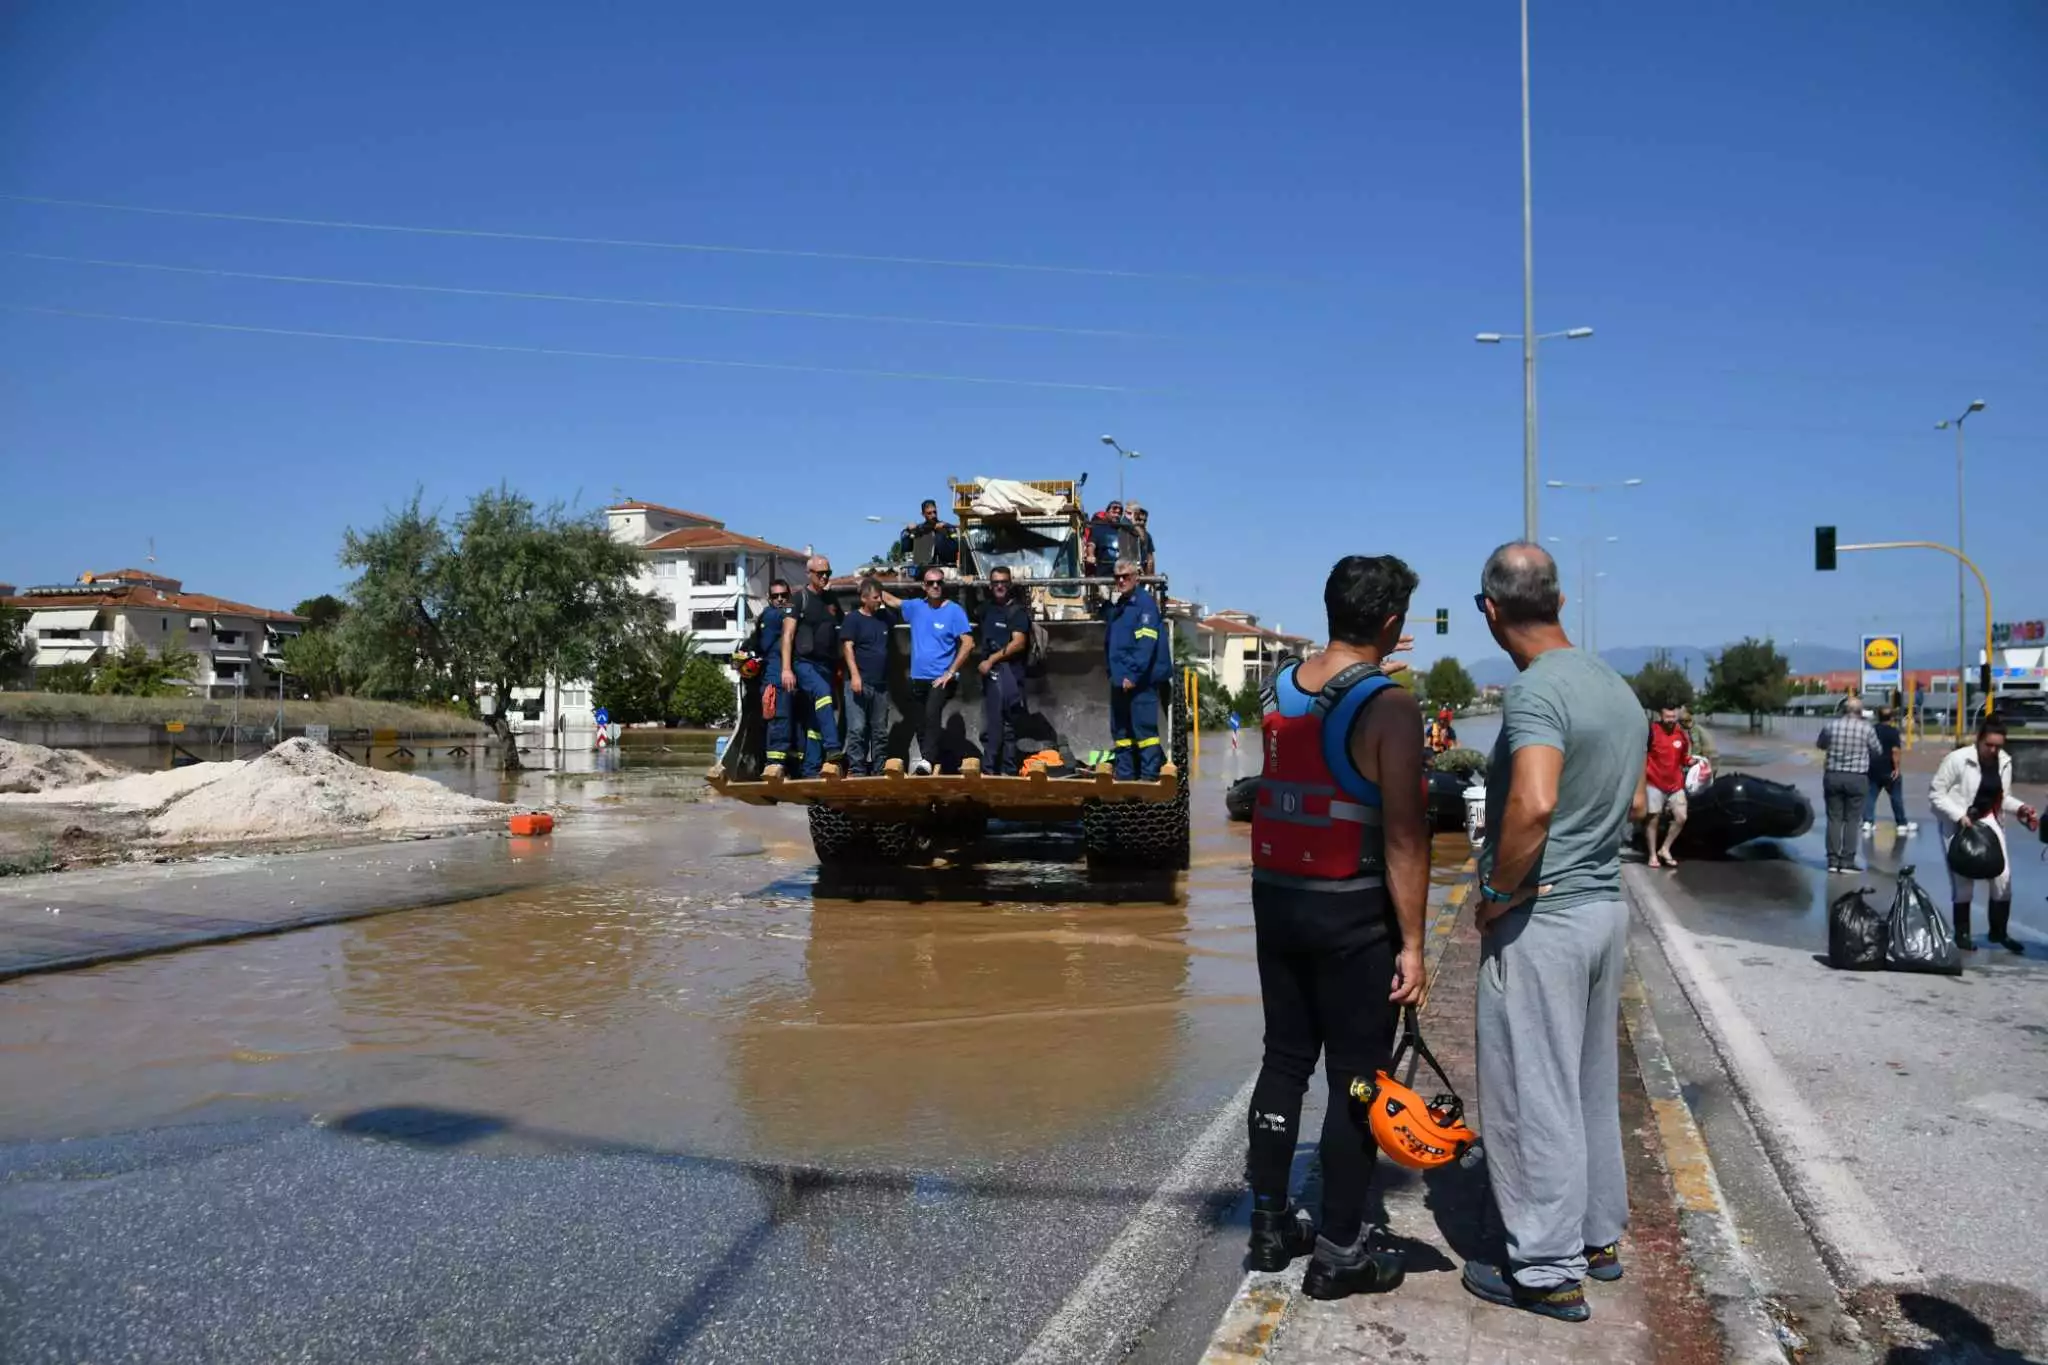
(1868, 829)
(1910, 827)
(920, 769)
(1904, 831)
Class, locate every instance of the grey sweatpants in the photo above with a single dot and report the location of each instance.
(1550, 1085)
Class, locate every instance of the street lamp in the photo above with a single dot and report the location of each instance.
(1962, 659)
(1529, 337)
(1588, 546)
(1121, 456)
(1593, 491)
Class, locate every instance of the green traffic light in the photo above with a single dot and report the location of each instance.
(1443, 621)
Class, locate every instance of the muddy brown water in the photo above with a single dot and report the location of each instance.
(703, 992)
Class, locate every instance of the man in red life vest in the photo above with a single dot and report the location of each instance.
(1340, 876)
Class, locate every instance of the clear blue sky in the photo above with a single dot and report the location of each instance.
(1805, 233)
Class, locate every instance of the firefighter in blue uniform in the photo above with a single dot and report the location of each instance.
(1139, 662)
(782, 756)
(1003, 638)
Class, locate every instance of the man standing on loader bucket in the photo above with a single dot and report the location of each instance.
(1138, 663)
(1004, 635)
(784, 755)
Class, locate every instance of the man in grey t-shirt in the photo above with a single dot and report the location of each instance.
(1564, 783)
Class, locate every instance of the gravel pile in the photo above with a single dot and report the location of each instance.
(298, 790)
(33, 768)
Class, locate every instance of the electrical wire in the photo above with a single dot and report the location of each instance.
(704, 247)
(576, 298)
(559, 351)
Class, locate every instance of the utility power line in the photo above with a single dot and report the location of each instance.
(558, 351)
(560, 240)
(576, 298)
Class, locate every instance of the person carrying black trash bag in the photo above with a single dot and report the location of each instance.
(1972, 790)
(1340, 878)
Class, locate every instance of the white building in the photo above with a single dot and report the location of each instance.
(1234, 648)
(713, 581)
(239, 648)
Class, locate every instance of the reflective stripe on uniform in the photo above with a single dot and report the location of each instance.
(1144, 633)
(813, 734)
(1123, 744)
(777, 753)
(1352, 811)
(1148, 743)
(821, 703)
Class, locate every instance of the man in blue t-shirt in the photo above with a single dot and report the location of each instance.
(941, 638)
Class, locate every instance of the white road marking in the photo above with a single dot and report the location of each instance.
(1852, 1233)
(2020, 1109)
(1130, 1282)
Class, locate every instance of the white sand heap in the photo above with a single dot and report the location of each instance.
(299, 790)
(33, 768)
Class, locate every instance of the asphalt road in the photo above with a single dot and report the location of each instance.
(1933, 1091)
(680, 1105)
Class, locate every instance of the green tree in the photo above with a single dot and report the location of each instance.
(1662, 683)
(502, 598)
(1448, 684)
(1248, 704)
(313, 661)
(704, 694)
(17, 649)
(136, 672)
(1750, 678)
(324, 612)
(636, 679)
(73, 677)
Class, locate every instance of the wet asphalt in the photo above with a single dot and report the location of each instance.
(668, 1100)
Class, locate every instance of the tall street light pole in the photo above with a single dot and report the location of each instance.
(1589, 580)
(1962, 635)
(1529, 337)
(1592, 492)
(1528, 308)
(1121, 456)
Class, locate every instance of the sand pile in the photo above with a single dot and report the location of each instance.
(33, 768)
(299, 790)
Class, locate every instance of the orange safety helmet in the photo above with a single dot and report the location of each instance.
(1415, 1133)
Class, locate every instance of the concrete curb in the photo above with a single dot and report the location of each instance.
(1853, 1237)
(1251, 1324)
(1750, 1332)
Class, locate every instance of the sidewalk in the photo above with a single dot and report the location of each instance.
(1657, 1313)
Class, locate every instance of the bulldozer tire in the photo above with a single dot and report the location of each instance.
(840, 839)
(1146, 836)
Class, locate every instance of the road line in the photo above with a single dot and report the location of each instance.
(1127, 1286)
(1250, 1325)
(1850, 1231)
(1750, 1335)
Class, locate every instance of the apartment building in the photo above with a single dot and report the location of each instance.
(239, 647)
(1234, 648)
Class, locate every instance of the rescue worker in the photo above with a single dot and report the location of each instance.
(777, 704)
(1340, 878)
(1003, 638)
(1104, 531)
(810, 646)
(1138, 663)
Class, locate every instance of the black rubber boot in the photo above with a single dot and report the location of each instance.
(1963, 939)
(1335, 1272)
(2001, 918)
(1278, 1236)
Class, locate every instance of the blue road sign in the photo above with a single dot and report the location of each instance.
(601, 716)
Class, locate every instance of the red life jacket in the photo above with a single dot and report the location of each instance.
(1309, 823)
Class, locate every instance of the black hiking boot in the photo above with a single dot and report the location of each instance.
(1279, 1237)
(1962, 920)
(1361, 1268)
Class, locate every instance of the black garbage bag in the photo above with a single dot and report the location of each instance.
(1917, 937)
(1975, 852)
(1857, 933)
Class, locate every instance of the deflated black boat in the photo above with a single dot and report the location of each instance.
(1738, 807)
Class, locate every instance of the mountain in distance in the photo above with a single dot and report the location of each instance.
(1496, 670)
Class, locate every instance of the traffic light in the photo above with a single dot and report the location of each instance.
(1824, 548)
(1443, 620)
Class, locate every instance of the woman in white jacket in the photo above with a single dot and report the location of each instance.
(1973, 785)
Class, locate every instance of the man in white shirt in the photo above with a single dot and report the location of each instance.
(1973, 785)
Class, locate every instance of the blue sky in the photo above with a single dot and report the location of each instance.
(1804, 234)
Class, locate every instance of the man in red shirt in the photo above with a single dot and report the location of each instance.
(1664, 783)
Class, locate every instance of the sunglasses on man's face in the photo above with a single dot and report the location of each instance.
(778, 597)
(1479, 601)
(1126, 578)
(935, 582)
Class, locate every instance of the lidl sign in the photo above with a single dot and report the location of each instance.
(1883, 661)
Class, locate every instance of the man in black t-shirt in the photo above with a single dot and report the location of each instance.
(810, 647)
(1003, 637)
(1884, 776)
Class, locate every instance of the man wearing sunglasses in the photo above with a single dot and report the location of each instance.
(1138, 663)
(776, 704)
(810, 647)
(941, 638)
